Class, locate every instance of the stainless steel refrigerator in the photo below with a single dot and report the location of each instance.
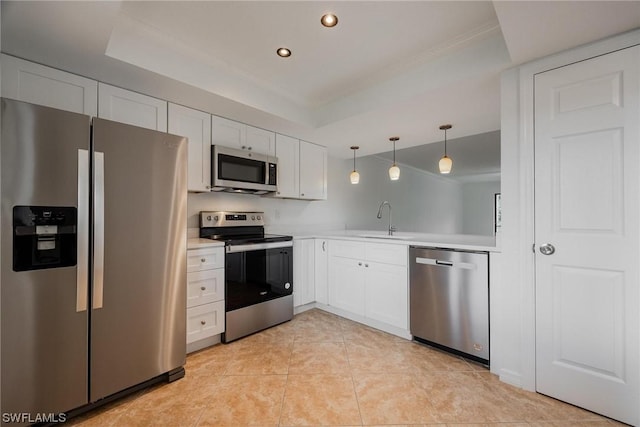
(93, 258)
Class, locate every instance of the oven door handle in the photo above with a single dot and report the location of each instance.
(259, 246)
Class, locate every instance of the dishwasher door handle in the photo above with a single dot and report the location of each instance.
(437, 262)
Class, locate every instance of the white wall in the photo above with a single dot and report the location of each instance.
(281, 215)
(478, 207)
(421, 202)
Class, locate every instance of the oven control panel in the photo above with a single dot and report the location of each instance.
(230, 219)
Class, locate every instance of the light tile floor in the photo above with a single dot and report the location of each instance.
(321, 369)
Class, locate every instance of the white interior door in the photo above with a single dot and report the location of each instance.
(587, 176)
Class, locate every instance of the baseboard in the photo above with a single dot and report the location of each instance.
(511, 377)
(203, 343)
(366, 321)
(302, 308)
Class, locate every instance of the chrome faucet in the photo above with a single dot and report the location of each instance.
(379, 216)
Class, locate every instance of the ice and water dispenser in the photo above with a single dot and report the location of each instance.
(44, 237)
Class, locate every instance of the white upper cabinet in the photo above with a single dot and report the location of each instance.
(195, 125)
(288, 154)
(232, 134)
(261, 141)
(37, 84)
(313, 171)
(132, 108)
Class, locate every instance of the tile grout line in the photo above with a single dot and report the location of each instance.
(353, 381)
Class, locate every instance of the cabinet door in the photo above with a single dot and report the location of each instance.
(205, 321)
(320, 270)
(386, 296)
(205, 286)
(37, 84)
(195, 125)
(205, 259)
(228, 133)
(303, 272)
(260, 141)
(346, 284)
(313, 171)
(132, 108)
(287, 152)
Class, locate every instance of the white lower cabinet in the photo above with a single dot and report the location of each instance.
(370, 280)
(205, 296)
(303, 272)
(386, 294)
(205, 321)
(346, 284)
(321, 271)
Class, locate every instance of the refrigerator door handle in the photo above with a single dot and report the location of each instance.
(82, 270)
(98, 230)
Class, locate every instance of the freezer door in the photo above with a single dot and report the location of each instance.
(44, 316)
(138, 319)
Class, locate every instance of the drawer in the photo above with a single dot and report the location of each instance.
(386, 253)
(346, 249)
(205, 321)
(205, 286)
(205, 259)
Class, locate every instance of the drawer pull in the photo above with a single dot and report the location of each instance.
(203, 288)
(203, 322)
(203, 260)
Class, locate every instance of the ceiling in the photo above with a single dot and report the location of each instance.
(388, 67)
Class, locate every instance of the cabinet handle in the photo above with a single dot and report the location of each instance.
(208, 187)
(244, 146)
(366, 265)
(324, 246)
(359, 263)
(203, 322)
(203, 259)
(203, 288)
(249, 148)
(302, 194)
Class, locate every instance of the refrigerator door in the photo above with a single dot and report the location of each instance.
(44, 315)
(138, 321)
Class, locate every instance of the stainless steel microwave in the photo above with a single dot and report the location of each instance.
(241, 171)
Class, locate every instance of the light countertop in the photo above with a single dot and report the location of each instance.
(451, 241)
(197, 243)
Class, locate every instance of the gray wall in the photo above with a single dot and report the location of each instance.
(477, 207)
(421, 202)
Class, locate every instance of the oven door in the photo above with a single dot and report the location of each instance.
(256, 273)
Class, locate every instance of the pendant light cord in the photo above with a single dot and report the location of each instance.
(445, 142)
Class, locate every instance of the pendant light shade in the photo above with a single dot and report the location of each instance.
(354, 177)
(445, 162)
(394, 170)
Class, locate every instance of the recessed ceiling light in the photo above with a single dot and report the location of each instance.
(283, 52)
(329, 20)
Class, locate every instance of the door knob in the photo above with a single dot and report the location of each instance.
(547, 249)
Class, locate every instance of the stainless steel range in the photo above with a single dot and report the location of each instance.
(258, 272)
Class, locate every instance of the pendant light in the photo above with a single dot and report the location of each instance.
(394, 170)
(445, 162)
(354, 176)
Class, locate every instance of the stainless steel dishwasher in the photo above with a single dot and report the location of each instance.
(449, 300)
